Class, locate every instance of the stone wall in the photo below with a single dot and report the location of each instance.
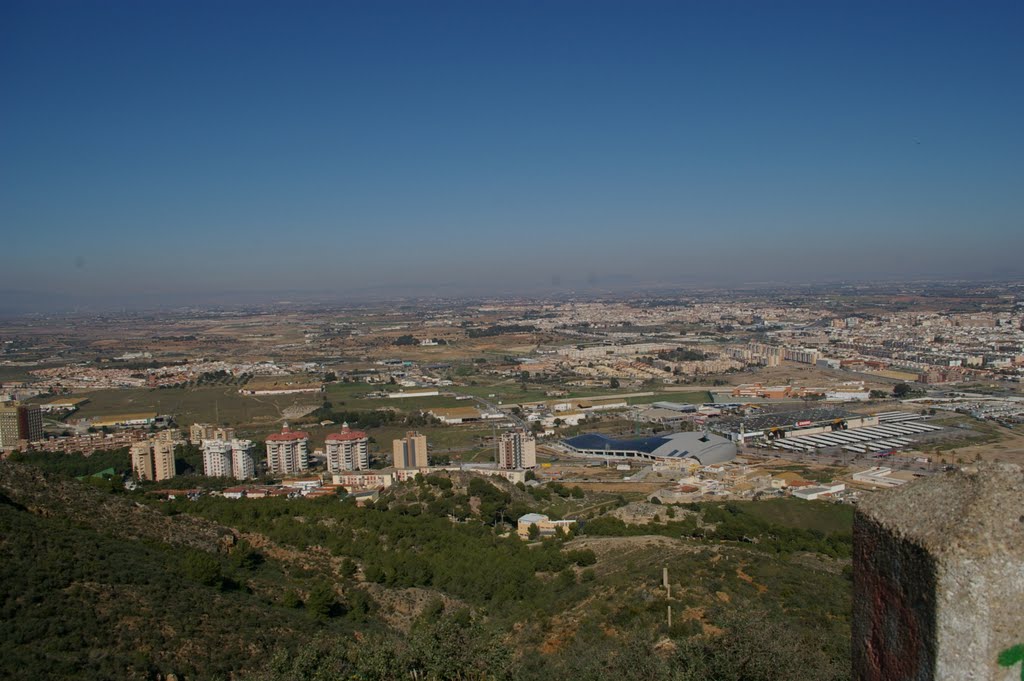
(939, 579)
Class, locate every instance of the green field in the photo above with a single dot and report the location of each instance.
(696, 397)
(222, 404)
(353, 396)
(439, 438)
(15, 373)
(805, 515)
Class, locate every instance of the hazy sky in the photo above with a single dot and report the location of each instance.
(190, 148)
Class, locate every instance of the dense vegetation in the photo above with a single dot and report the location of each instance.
(498, 330)
(76, 465)
(99, 585)
(682, 355)
(735, 523)
(404, 546)
(82, 603)
(375, 418)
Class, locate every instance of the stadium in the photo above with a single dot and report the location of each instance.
(706, 448)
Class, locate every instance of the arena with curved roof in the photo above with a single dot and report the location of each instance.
(703, 447)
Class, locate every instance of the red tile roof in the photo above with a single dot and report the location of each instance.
(346, 435)
(288, 436)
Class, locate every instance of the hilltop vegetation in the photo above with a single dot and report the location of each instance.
(427, 583)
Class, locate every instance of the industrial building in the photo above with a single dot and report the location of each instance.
(876, 435)
(705, 448)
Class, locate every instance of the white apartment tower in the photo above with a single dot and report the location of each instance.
(243, 464)
(217, 458)
(517, 449)
(229, 458)
(347, 450)
(288, 452)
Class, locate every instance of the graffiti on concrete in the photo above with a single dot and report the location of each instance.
(1012, 656)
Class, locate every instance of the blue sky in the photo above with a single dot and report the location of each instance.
(191, 148)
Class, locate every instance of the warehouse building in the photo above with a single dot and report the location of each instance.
(706, 448)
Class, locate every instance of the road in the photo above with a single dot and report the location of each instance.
(508, 414)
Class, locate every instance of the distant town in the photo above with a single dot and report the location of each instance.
(725, 395)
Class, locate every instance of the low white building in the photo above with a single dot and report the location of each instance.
(813, 493)
(364, 480)
(425, 392)
(546, 526)
(879, 476)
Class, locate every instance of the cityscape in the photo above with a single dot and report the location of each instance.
(511, 342)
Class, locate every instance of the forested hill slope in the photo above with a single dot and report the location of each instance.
(50, 495)
(96, 586)
(100, 583)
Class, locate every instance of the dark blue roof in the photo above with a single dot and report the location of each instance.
(595, 441)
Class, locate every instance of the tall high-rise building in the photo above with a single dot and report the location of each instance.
(229, 458)
(217, 458)
(288, 451)
(410, 451)
(163, 460)
(243, 465)
(348, 450)
(153, 460)
(142, 461)
(517, 449)
(20, 423)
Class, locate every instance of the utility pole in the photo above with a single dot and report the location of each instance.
(668, 593)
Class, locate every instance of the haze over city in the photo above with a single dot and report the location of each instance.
(189, 152)
(454, 340)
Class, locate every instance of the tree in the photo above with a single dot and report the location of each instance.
(614, 383)
(901, 390)
(321, 602)
(245, 557)
(533, 532)
(349, 568)
(203, 568)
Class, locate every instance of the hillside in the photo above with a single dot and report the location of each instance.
(95, 585)
(114, 585)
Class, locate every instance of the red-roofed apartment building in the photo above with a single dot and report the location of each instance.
(288, 451)
(347, 450)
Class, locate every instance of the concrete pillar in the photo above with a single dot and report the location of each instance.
(938, 579)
